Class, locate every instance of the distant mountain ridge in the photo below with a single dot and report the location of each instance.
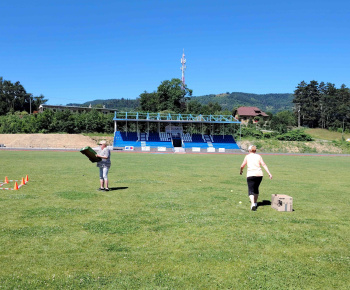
(266, 102)
(228, 101)
(120, 104)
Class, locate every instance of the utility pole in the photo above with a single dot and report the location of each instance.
(322, 120)
(298, 104)
(183, 68)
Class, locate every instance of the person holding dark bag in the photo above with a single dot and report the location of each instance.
(104, 153)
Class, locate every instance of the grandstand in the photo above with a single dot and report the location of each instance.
(174, 132)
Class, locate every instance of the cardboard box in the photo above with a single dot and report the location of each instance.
(282, 202)
(91, 154)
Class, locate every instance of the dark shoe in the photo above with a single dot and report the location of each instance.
(100, 189)
(106, 189)
(254, 208)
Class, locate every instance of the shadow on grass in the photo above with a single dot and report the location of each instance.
(118, 188)
(264, 203)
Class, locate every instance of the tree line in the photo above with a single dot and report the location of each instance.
(14, 98)
(316, 105)
(57, 122)
(322, 105)
(273, 103)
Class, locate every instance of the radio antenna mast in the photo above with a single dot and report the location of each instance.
(183, 68)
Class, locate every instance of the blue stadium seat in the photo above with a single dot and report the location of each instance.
(164, 139)
(224, 141)
(122, 139)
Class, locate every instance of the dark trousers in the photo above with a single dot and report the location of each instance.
(253, 184)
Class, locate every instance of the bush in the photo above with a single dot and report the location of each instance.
(57, 122)
(270, 135)
(251, 132)
(344, 145)
(295, 135)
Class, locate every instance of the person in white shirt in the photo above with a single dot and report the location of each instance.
(254, 174)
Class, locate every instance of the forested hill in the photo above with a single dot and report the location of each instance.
(122, 104)
(228, 101)
(267, 102)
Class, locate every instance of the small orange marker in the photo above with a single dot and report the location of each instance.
(6, 180)
(27, 179)
(16, 186)
(23, 182)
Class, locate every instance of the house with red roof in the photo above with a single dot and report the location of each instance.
(244, 114)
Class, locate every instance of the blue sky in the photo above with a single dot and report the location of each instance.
(82, 50)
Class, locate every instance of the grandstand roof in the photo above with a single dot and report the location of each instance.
(174, 118)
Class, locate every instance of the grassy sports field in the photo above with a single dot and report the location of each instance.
(172, 221)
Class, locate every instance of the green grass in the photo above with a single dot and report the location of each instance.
(175, 221)
(95, 134)
(324, 134)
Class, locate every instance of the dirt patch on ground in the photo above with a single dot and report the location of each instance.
(69, 141)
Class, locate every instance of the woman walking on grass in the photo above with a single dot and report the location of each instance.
(254, 174)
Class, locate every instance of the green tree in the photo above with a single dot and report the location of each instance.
(37, 101)
(172, 96)
(44, 121)
(307, 98)
(342, 114)
(13, 98)
(328, 92)
(323, 105)
(149, 102)
(282, 120)
(193, 107)
(211, 109)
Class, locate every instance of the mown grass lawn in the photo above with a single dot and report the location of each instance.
(324, 134)
(172, 221)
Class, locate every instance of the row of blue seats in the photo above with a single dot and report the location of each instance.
(160, 144)
(154, 137)
(226, 145)
(197, 138)
(131, 138)
(125, 136)
(196, 144)
(138, 144)
(170, 145)
(223, 139)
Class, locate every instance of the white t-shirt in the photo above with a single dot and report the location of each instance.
(254, 162)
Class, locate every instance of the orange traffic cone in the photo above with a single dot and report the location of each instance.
(23, 182)
(16, 186)
(27, 179)
(6, 180)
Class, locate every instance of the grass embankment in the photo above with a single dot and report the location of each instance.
(172, 221)
(325, 141)
(323, 134)
(98, 134)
